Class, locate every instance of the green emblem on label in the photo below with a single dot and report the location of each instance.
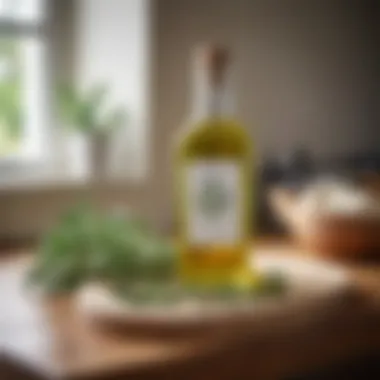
(213, 199)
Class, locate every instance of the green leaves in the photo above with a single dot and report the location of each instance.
(89, 111)
(130, 258)
(11, 113)
(87, 245)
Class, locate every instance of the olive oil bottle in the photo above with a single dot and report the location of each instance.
(213, 177)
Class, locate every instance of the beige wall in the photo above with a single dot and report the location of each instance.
(304, 68)
(305, 73)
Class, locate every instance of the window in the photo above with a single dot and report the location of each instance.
(22, 79)
(35, 148)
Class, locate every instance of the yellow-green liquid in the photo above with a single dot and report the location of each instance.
(214, 264)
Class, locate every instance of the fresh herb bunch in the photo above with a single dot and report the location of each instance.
(87, 245)
(125, 254)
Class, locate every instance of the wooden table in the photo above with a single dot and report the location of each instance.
(51, 340)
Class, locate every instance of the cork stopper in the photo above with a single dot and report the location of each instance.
(214, 60)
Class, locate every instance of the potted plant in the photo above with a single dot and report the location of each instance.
(89, 114)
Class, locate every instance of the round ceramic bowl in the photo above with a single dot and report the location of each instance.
(336, 236)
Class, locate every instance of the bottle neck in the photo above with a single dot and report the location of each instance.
(211, 99)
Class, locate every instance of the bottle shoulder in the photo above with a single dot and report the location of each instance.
(214, 136)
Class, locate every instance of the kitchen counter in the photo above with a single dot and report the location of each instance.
(49, 339)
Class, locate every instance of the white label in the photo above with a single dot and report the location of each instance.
(214, 196)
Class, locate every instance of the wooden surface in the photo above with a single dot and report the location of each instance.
(50, 339)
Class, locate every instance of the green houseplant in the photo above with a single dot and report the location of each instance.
(89, 114)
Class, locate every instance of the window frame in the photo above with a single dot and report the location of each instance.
(22, 160)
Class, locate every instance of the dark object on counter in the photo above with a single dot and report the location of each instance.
(299, 168)
(270, 174)
(272, 171)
